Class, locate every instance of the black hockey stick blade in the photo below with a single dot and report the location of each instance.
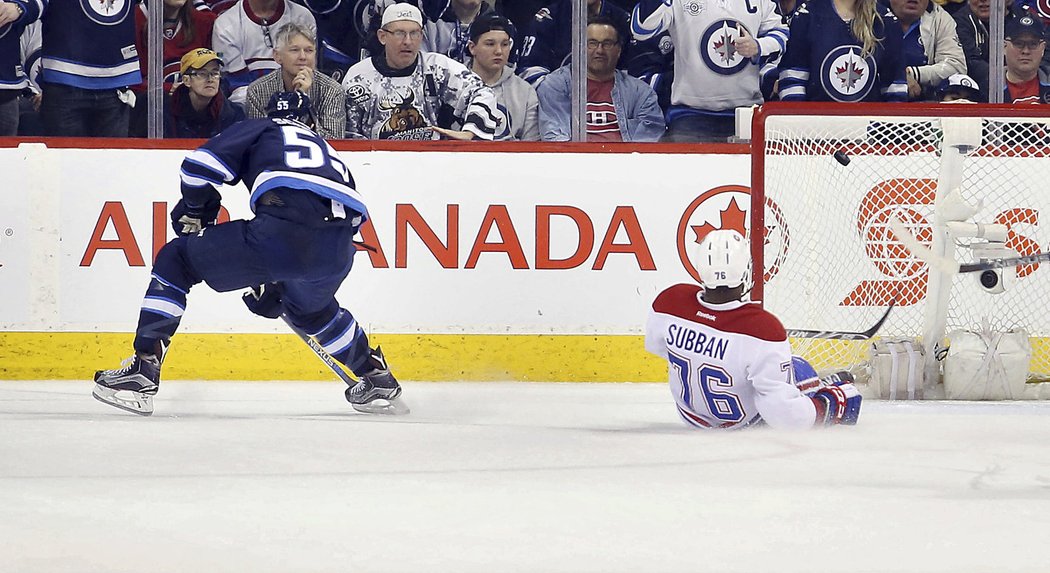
(842, 335)
(1001, 263)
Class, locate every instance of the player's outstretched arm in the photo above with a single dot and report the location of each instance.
(838, 401)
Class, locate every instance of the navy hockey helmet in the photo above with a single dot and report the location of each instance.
(291, 105)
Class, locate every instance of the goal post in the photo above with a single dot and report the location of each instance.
(827, 179)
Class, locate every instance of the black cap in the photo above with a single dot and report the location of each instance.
(489, 22)
(1025, 24)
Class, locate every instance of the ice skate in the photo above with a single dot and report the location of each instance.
(132, 386)
(377, 392)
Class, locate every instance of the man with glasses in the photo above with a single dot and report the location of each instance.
(295, 52)
(408, 94)
(244, 35)
(1025, 46)
(197, 107)
(619, 107)
(971, 22)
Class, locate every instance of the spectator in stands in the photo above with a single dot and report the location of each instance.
(518, 107)
(844, 53)
(29, 123)
(972, 26)
(185, 28)
(723, 74)
(243, 38)
(15, 16)
(931, 46)
(197, 108)
(958, 88)
(619, 107)
(1024, 49)
(547, 41)
(404, 93)
(450, 33)
(295, 52)
(89, 62)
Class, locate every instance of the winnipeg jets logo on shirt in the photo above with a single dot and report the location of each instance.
(718, 47)
(693, 8)
(106, 12)
(847, 76)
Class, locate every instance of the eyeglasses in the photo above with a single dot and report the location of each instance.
(1025, 44)
(205, 75)
(401, 34)
(605, 44)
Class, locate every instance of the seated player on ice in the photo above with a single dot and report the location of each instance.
(299, 246)
(729, 360)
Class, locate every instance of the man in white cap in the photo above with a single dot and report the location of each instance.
(404, 93)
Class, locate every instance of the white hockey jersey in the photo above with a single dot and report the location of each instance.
(404, 104)
(709, 73)
(729, 364)
(245, 41)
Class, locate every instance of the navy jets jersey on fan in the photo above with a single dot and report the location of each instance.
(90, 44)
(283, 154)
(823, 61)
(729, 364)
(13, 71)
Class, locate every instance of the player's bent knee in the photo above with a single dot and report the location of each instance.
(173, 266)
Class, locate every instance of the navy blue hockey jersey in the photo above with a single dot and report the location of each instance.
(90, 44)
(268, 154)
(13, 71)
(823, 61)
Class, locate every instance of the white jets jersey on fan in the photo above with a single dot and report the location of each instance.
(709, 72)
(245, 41)
(405, 104)
(729, 364)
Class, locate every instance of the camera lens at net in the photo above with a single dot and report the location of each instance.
(989, 279)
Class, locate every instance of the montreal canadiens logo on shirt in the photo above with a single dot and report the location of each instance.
(718, 47)
(845, 75)
(106, 12)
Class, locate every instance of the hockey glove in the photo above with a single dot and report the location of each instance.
(264, 300)
(838, 402)
(190, 219)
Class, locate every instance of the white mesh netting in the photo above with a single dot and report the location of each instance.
(831, 261)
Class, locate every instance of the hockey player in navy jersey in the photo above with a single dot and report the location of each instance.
(299, 245)
(729, 360)
(845, 51)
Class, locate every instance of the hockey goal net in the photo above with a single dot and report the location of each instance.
(827, 179)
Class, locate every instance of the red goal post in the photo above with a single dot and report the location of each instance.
(828, 178)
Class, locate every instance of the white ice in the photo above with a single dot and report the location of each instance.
(284, 477)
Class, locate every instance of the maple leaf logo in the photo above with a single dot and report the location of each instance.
(733, 217)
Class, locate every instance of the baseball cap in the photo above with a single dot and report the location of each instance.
(396, 12)
(1026, 24)
(959, 83)
(489, 22)
(197, 59)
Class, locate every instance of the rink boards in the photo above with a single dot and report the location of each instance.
(539, 264)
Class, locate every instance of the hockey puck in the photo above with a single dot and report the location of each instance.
(842, 158)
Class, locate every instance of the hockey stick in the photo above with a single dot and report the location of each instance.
(1001, 263)
(842, 335)
(395, 406)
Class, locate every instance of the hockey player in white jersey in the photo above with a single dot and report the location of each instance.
(729, 360)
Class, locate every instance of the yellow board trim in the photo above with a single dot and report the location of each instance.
(437, 357)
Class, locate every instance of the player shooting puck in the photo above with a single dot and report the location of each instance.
(842, 158)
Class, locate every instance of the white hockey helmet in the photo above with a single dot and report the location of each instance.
(723, 259)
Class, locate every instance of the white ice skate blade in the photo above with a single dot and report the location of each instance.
(395, 407)
(128, 400)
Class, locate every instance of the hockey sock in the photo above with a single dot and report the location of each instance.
(345, 341)
(160, 314)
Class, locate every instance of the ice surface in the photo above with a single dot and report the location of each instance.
(482, 477)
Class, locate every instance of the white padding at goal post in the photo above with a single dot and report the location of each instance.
(987, 365)
(962, 132)
(897, 369)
